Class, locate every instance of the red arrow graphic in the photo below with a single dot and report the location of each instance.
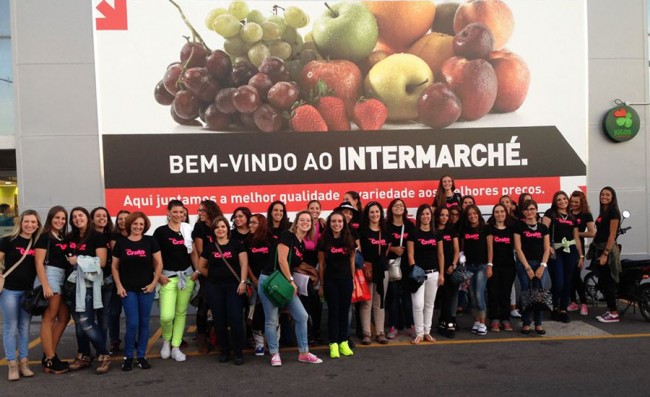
(114, 18)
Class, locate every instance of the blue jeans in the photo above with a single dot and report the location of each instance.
(137, 310)
(16, 324)
(477, 286)
(104, 314)
(227, 309)
(562, 270)
(87, 328)
(271, 323)
(524, 281)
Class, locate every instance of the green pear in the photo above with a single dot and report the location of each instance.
(347, 30)
(398, 81)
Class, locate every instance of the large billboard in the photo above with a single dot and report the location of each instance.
(491, 92)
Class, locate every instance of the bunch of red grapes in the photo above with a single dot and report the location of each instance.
(207, 86)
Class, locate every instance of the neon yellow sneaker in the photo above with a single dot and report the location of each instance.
(334, 350)
(345, 350)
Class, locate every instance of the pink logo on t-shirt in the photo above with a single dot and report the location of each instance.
(81, 247)
(62, 246)
(431, 241)
(141, 253)
(226, 255)
(533, 234)
(504, 240)
(565, 221)
(341, 250)
(260, 250)
(471, 236)
(446, 237)
(397, 236)
(22, 251)
(176, 242)
(377, 242)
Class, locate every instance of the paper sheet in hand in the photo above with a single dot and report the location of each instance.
(301, 281)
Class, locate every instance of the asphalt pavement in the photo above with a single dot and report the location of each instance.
(580, 358)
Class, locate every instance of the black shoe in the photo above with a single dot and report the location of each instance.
(142, 363)
(54, 366)
(43, 360)
(127, 364)
(540, 331)
(59, 362)
(564, 317)
(115, 348)
(239, 360)
(351, 344)
(525, 331)
(224, 358)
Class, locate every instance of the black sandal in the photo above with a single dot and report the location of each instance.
(540, 330)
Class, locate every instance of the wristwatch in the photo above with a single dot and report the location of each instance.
(291, 278)
(543, 264)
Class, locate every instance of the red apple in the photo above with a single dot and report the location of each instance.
(495, 14)
(513, 79)
(438, 106)
(475, 83)
(341, 76)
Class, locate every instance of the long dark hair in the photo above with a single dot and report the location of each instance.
(75, 232)
(365, 219)
(110, 228)
(284, 223)
(441, 195)
(436, 217)
(612, 206)
(262, 235)
(47, 228)
(418, 215)
(327, 237)
(212, 211)
(464, 218)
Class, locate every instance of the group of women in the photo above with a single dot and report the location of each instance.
(92, 270)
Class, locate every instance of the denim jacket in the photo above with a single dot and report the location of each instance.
(89, 274)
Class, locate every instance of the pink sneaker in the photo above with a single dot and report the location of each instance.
(392, 333)
(584, 310)
(572, 307)
(276, 361)
(309, 358)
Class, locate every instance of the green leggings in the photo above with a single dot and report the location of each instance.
(173, 309)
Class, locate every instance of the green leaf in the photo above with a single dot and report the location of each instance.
(620, 121)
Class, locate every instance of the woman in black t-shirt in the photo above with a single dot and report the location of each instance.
(398, 298)
(566, 252)
(533, 247)
(501, 270)
(202, 235)
(137, 265)
(587, 229)
(606, 254)
(258, 247)
(473, 245)
(84, 240)
(336, 267)
(449, 291)
(239, 219)
(278, 219)
(176, 281)
(287, 256)
(51, 268)
(446, 195)
(425, 249)
(16, 321)
(225, 266)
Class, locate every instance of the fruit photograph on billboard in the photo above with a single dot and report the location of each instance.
(247, 102)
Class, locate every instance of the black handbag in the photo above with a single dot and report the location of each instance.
(536, 297)
(460, 275)
(415, 279)
(35, 302)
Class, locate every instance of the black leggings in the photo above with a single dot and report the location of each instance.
(338, 294)
(499, 287)
(607, 286)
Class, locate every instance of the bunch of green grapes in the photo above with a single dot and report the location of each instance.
(252, 37)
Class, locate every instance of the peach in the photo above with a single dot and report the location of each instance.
(513, 79)
(434, 49)
(475, 83)
(495, 14)
(401, 23)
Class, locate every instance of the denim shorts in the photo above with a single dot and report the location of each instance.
(55, 277)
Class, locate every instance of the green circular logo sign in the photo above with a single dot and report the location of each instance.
(621, 123)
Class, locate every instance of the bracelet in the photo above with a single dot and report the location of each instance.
(490, 264)
(543, 264)
(582, 257)
(291, 278)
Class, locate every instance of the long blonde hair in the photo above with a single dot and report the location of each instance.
(18, 226)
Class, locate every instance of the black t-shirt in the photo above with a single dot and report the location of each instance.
(503, 246)
(453, 201)
(203, 232)
(22, 278)
(425, 248)
(394, 233)
(237, 235)
(337, 260)
(532, 240)
(136, 262)
(447, 236)
(371, 245)
(561, 226)
(258, 255)
(290, 240)
(218, 271)
(603, 224)
(172, 248)
(583, 219)
(55, 250)
(474, 244)
(89, 248)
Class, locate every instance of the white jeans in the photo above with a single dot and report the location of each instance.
(423, 300)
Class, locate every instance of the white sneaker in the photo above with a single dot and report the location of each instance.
(482, 330)
(515, 313)
(165, 352)
(178, 355)
(475, 327)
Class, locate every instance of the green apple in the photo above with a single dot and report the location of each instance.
(347, 30)
(398, 81)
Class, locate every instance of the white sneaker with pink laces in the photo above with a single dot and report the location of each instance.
(309, 358)
(275, 360)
